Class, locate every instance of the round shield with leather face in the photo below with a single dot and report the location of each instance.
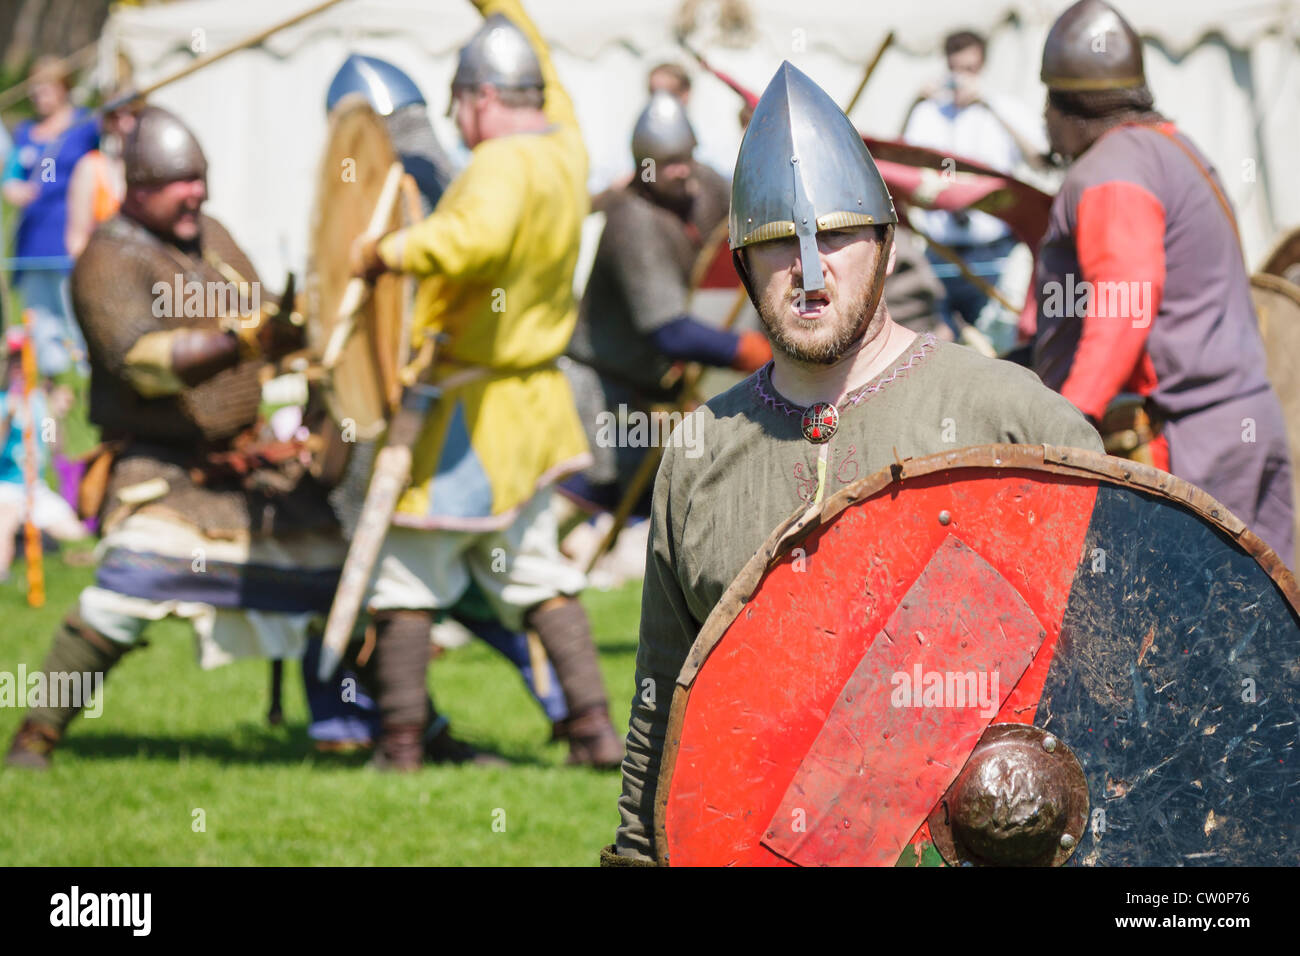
(362, 389)
(1010, 655)
(1277, 308)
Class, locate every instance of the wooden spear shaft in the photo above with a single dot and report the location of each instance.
(964, 268)
(244, 44)
(73, 61)
(31, 473)
(885, 44)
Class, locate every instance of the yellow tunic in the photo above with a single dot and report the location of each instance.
(497, 257)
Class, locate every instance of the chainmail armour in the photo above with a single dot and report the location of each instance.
(422, 155)
(639, 282)
(170, 437)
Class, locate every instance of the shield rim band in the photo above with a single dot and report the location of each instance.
(1054, 459)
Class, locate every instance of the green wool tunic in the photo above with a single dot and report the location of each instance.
(739, 466)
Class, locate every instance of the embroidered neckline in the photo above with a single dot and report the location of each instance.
(769, 396)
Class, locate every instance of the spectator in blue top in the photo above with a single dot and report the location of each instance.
(35, 180)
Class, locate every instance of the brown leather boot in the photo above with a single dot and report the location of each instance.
(77, 649)
(441, 747)
(561, 625)
(32, 744)
(593, 742)
(401, 666)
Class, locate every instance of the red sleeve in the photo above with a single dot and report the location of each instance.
(1120, 242)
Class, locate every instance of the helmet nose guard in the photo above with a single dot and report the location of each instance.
(803, 169)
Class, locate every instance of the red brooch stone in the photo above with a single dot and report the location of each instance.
(820, 421)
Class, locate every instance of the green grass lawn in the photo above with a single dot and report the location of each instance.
(173, 740)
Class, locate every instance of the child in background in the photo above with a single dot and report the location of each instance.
(51, 513)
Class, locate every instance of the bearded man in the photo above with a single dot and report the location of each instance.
(200, 520)
(1142, 286)
(635, 322)
(848, 392)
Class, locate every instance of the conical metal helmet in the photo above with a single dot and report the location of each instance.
(161, 149)
(499, 54)
(1092, 47)
(802, 169)
(663, 133)
(384, 86)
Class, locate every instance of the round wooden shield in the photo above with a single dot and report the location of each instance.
(1283, 259)
(846, 676)
(1277, 306)
(363, 387)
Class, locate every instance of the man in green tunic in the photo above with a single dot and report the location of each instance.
(848, 392)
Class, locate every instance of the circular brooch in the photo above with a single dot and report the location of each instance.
(819, 422)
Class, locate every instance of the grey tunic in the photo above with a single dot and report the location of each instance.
(740, 466)
(640, 282)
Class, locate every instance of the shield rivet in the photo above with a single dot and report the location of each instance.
(1049, 744)
(945, 518)
(1067, 841)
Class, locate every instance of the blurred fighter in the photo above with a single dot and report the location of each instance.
(201, 519)
(497, 258)
(635, 322)
(337, 722)
(1142, 287)
(394, 96)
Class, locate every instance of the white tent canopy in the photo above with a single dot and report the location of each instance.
(1225, 70)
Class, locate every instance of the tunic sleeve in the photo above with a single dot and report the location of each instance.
(667, 632)
(1120, 240)
(471, 233)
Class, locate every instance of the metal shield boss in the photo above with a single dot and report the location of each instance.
(1007, 655)
(803, 168)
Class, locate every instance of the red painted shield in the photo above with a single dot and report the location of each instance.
(840, 686)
